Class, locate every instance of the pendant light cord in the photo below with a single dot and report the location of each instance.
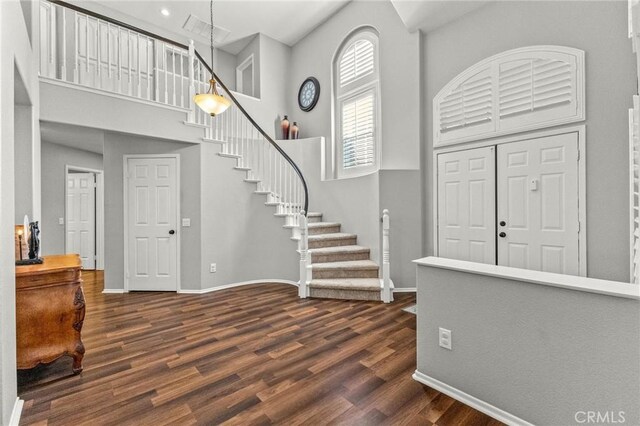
(211, 9)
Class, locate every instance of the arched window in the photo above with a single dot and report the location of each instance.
(356, 90)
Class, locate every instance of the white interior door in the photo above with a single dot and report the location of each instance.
(538, 220)
(466, 205)
(81, 217)
(152, 216)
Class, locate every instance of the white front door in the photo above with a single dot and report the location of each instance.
(81, 217)
(466, 205)
(152, 216)
(538, 204)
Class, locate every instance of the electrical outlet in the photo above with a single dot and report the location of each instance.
(61, 221)
(213, 268)
(444, 338)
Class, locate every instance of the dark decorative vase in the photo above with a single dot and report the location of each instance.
(294, 130)
(284, 125)
(34, 240)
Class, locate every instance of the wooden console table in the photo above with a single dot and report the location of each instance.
(50, 311)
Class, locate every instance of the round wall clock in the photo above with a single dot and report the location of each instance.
(308, 94)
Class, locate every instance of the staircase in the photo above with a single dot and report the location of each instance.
(340, 268)
(332, 265)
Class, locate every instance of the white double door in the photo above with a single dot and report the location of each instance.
(80, 218)
(514, 204)
(152, 218)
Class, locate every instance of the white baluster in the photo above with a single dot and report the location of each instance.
(98, 56)
(86, 41)
(156, 72)
(387, 295)
(63, 67)
(119, 51)
(182, 80)
(76, 46)
(305, 258)
(173, 71)
(52, 41)
(164, 67)
(148, 51)
(109, 55)
(139, 71)
(130, 54)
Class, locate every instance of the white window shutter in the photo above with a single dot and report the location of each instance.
(358, 130)
(356, 62)
(515, 91)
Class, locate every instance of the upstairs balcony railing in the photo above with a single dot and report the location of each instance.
(88, 49)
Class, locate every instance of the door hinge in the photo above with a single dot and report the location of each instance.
(578, 155)
(579, 227)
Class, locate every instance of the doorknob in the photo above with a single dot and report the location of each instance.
(503, 223)
(172, 232)
(502, 234)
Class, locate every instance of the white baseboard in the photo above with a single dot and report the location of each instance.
(16, 413)
(114, 291)
(405, 290)
(470, 400)
(223, 287)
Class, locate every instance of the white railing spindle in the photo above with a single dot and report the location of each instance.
(387, 295)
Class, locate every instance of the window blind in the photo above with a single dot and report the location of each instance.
(357, 61)
(358, 130)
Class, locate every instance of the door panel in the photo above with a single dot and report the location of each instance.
(466, 205)
(538, 200)
(81, 217)
(152, 213)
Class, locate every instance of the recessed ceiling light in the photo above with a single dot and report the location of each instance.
(165, 12)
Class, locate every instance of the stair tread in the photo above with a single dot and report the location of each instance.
(314, 214)
(347, 264)
(339, 249)
(334, 236)
(323, 224)
(362, 284)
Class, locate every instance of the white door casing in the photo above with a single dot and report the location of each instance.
(538, 201)
(151, 219)
(466, 205)
(81, 217)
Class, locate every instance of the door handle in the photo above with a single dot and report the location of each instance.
(503, 223)
(502, 234)
(172, 232)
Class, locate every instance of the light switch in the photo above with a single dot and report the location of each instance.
(186, 222)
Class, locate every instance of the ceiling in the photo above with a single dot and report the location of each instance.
(427, 15)
(82, 138)
(287, 21)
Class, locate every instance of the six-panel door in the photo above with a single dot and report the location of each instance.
(81, 218)
(152, 223)
(466, 205)
(538, 203)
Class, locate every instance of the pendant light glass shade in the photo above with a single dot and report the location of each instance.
(212, 102)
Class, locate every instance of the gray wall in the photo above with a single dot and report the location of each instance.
(239, 233)
(23, 163)
(598, 28)
(253, 48)
(399, 76)
(17, 54)
(57, 157)
(115, 147)
(540, 353)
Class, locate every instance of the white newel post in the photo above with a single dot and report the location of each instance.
(387, 295)
(305, 257)
(191, 118)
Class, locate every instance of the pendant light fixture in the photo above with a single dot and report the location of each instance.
(212, 102)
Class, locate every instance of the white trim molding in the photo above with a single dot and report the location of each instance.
(569, 282)
(16, 413)
(238, 284)
(405, 290)
(470, 400)
(114, 291)
(514, 91)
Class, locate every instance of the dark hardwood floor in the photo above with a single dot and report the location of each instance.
(249, 355)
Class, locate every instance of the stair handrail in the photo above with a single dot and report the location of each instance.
(215, 76)
(262, 132)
